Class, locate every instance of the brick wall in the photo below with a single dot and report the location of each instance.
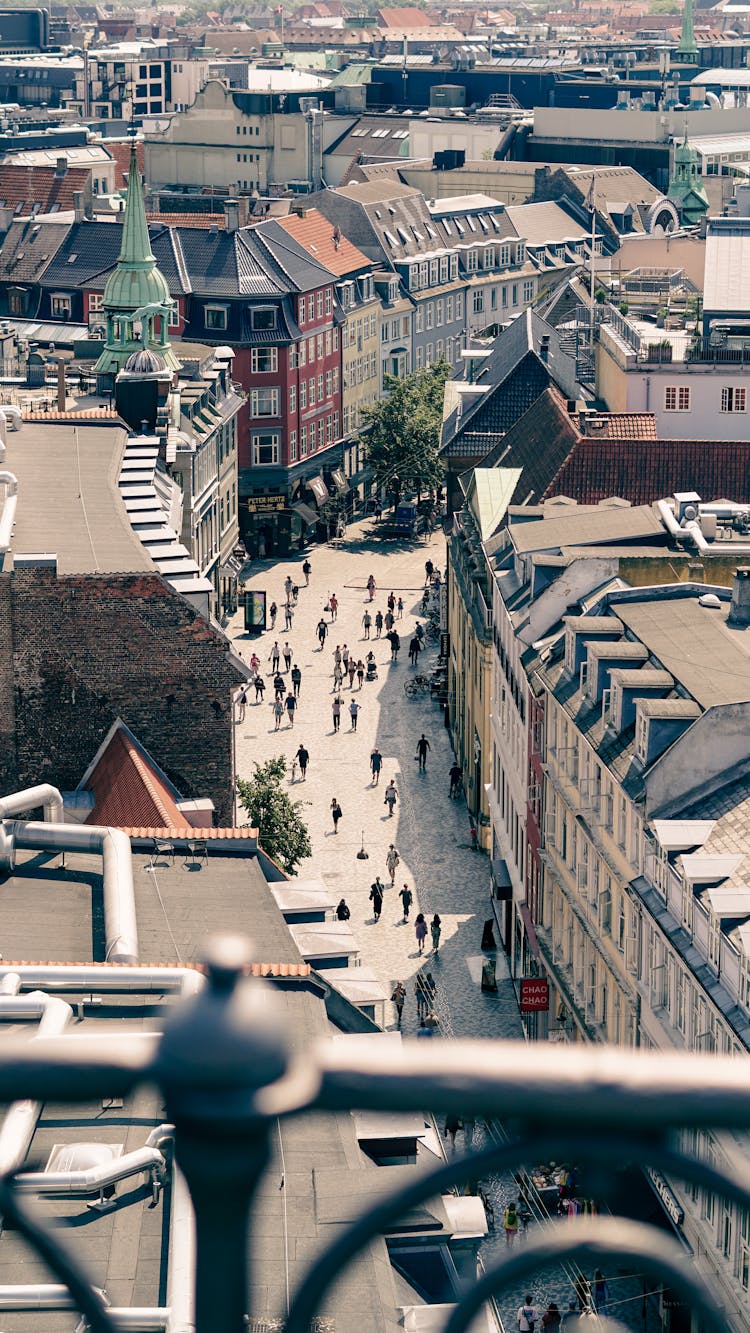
(88, 649)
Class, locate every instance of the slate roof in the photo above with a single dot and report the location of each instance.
(303, 270)
(517, 376)
(28, 249)
(643, 471)
(96, 246)
(228, 264)
(538, 443)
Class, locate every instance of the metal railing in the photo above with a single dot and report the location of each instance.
(227, 1071)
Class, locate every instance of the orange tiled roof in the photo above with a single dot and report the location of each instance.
(316, 235)
(253, 969)
(205, 220)
(618, 425)
(404, 18)
(129, 790)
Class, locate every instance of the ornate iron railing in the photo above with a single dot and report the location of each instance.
(226, 1073)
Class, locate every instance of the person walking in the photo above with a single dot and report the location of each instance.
(352, 672)
(338, 676)
(378, 624)
(274, 657)
(420, 993)
(435, 928)
(278, 712)
(342, 911)
(395, 645)
(241, 703)
(307, 571)
(371, 587)
(452, 1126)
(391, 602)
(360, 673)
(429, 570)
(455, 774)
(398, 997)
(336, 813)
(407, 898)
(337, 656)
(303, 757)
(391, 796)
(336, 713)
(527, 1314)
(287, 656)
(376, 763)
(260, 686)
(376, 898)
(291, 705)
(279, 688)
(367, 622)
(510, 1224)
(601, 1293)
(400, 608)
(333, 606)
(423, 745)
(288, 587)
(415, 649)
(430, 990)
(322, 631)
(254, 664)
(420, 930)
(388, 622)
(354, 708)
(288, 616)
(273, 611)
(392, 861)
(296, 681)
(551, 1318)
(345, 658)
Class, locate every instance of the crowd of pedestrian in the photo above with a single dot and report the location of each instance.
(589, 1300)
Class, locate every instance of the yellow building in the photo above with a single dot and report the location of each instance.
(360, 362)
(487, 497)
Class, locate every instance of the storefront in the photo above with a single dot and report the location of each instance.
(265, 524)
(229, 573)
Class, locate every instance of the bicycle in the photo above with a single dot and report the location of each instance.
(416, 686)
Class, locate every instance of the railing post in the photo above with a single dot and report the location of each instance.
(220, 1050)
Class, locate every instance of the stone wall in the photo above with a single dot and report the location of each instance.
(85, 650)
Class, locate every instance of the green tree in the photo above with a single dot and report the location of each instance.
(404, 431)
(282, 833)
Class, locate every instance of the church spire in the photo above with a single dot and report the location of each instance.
(687, 45)
(136, 242)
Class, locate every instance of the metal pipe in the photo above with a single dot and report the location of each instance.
(41, 1296)
(21, 802)
(134, 1320)
(108, 977)
(95, 1178)
(20, 1122)
(9, 412)
(181, 1261)
(8, 515)
(120, 928)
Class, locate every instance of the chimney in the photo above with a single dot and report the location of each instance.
(544, 348)
(243, 207)
(739, 613)
(231, 214)
(61, 386)
(79, 208)
(61, 168)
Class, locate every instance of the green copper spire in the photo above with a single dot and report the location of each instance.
(685, 187)
(687, 45)
(137, 303)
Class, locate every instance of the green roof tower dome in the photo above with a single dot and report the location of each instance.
(137, 303)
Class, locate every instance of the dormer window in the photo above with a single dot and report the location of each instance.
(641, 737)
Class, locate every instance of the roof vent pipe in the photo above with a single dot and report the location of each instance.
(8, 514)
(739, 613)
(21, 802)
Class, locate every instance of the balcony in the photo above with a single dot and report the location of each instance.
(230, 1074)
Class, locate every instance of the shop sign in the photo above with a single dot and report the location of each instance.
(266, 504)
(534, 995)
(671, 1204)
(255, 611)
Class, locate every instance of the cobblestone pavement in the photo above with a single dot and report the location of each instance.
(430, 831)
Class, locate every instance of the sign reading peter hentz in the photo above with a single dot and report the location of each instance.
(266, 504)
(534, 995)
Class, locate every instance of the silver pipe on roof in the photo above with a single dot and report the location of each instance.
(21, 802)
(8, 515)
(104, 977)
(20, 1122)
(93, 1179)
(120, 927)
(131, 1319)
(181, 1261)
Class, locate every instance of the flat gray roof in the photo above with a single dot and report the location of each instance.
(68, 499)
(591, 528)
(709, 658)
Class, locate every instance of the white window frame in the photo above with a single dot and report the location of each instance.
(261, 396)
(256, 353)
(211, 320)
(272, 441)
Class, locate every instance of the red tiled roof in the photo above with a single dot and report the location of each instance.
(40, 185)
(128, 790)
(316, 235)
(643, 471)
(618, 425)
(120, 151)
(185, 830)
(404, 18)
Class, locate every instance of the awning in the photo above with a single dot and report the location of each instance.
(339, 480)
(307, 514)
(319, 489)
(530, 931)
